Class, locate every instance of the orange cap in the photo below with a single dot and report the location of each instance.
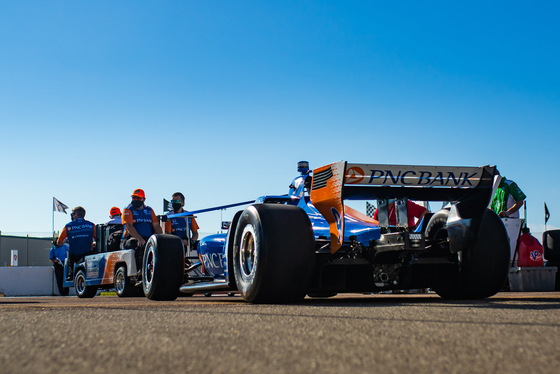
(115, 211)
(139, 193)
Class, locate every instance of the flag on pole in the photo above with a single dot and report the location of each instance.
(546, 214)
(166, 206)
(370, 209)
(58, 206)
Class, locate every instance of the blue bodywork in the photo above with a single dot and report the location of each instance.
(93, 266)
(213, 250)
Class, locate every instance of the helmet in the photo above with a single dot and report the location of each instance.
(115, 211)
(139, 193)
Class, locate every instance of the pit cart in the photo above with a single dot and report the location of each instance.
(310, 242)
(104, 270)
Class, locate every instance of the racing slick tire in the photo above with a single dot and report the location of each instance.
(482, 268)
(83, 291)
(163, 267)
(123, 286)
(273, 253)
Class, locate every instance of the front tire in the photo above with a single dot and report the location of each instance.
(482, 268)
(163, 267)
(83, 291)
(273, 253)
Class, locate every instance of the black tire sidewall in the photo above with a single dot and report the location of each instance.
(486, 264)
(149, 289)
(483, 266)
(168, 269)
(285, 247)
(249, 285)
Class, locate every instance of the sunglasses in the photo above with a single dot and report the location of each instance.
(176, 201)
(136, 198)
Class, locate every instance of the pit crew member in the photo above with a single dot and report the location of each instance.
(508, 199)
(80, 234)
(115, 215)
(140, 222)
(115, 229)
(57, 255)
(178, 225)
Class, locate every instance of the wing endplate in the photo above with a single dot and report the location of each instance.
(326, 196)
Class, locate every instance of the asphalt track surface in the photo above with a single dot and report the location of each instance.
(508, 333)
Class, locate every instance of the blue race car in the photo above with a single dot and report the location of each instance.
(310, 242)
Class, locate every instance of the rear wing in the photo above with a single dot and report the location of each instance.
(468, 187)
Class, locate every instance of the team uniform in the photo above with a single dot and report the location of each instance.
(80, 234)
(506, 196)
(58, 252)
(178, 225)
(115, 221)
(142, 220)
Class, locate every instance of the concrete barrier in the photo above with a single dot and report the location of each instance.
(28, 281)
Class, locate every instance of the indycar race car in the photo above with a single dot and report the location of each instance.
(310, 242)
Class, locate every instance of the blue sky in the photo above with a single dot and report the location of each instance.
(220, 99)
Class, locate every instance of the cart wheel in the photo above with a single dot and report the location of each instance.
(122, 283)
(82, 290)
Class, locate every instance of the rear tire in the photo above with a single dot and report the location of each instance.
(122, 283)
(163, 267)
(83, 291)
(273, 253)
(482, 268)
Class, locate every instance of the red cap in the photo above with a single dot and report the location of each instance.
(115, 211)
(139, 193)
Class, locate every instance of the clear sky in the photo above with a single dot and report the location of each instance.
(220, 99)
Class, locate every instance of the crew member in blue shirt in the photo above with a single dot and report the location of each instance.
(80, 234)
(178, 225)
(115, 215)
(57, 255)
(140, 222)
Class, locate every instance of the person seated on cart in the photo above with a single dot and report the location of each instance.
(115, 215)
(115, 229)
(178, 225)
(80, 234)
(140, 222)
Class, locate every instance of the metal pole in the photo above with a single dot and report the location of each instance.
(525, 213)
(53, 219)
